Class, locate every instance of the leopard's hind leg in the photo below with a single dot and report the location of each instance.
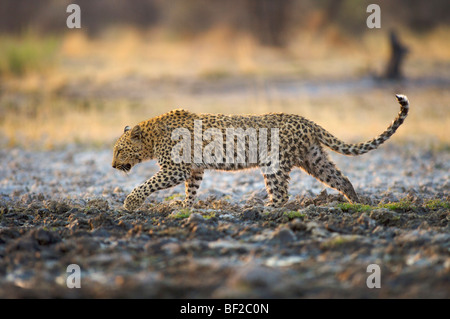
(317, 164)
(277, 184)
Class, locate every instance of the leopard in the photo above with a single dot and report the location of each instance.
(300, 143)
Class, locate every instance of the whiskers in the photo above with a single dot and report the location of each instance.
(124, 168)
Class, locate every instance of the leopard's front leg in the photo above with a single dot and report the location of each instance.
(192, 184)
(163, 179)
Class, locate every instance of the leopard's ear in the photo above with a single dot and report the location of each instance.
(126, 129)
(136, 133)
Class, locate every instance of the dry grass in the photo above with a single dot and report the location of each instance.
(36, 112)
(219, 53)
(56, 122)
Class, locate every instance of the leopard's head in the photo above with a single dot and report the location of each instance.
(129, 149)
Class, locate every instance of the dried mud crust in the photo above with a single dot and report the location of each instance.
(316, 246)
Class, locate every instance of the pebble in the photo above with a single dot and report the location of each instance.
(195, 218)
(252, 213)
(283, 235)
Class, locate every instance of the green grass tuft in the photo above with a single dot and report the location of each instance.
(172, 197)
(294, 214)
(210, 215)
(403, 204)
(181, 214)
(437, 203)
(19, 56)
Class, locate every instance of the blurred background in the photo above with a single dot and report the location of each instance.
(132, 60)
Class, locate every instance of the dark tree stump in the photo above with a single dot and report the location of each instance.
(269, 20)
(398, 53)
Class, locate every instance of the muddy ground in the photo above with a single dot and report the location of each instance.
(64, 207)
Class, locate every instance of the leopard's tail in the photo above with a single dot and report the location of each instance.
(358, 149)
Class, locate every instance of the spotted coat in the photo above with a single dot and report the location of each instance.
(300, 144)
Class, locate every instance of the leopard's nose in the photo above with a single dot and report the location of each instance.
(114, 165)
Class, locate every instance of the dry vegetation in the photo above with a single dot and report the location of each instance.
(77, 89)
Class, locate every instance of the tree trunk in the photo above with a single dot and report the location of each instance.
(398, 53)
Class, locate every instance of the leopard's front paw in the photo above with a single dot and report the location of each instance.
(271, 204)
(132, 203)
(275, 205)
(187, 203)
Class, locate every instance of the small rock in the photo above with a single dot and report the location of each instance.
(255, 276)
(261, 194)
(101, 220)
(195, 218)
(297, 225)
(311, 225)
(100, 204)
(3, 208)
(171, 248)
(100, 233)
(56, 207)
(200, 230)
(365, 220)
(257, 197)
(385, 216)
(252, 213)
(79, 223)
(316, 229)
(44, 237)
(283, 235)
